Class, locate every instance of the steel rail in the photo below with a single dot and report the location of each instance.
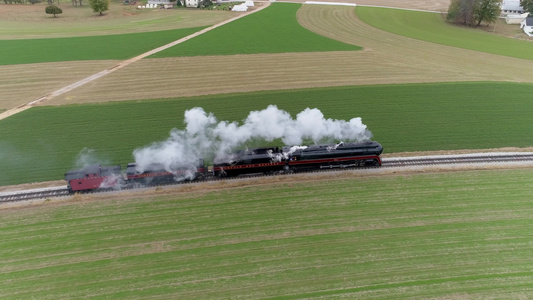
(386, 163)
(399, 162)
(21, 196)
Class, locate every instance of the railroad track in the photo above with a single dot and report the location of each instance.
(34, 194)
(455, 159)
(386, 163)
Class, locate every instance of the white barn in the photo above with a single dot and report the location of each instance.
(511, 7)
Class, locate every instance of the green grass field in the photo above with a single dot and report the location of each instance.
(451, 235)
(272, 30)
(121, 46)
(42, 143)
(431, 27)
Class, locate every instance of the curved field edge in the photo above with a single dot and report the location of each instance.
(271, 30)
(431, 27)
(40, 144)
(465, 234)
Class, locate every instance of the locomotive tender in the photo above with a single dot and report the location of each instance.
(265, 160)
(158, 174)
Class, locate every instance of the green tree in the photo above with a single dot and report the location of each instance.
(99, 6)
(487, 11)
(527, 5)
(53, 10)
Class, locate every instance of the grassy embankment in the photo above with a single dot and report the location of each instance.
(431, 27)
(462, 234)
(42, 143)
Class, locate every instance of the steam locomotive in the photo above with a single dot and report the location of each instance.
(264, 160)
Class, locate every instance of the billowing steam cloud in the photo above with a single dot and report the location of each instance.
(87, 157)
(204, 136)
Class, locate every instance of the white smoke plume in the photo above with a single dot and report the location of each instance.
(87, 157)
(204, 136)
(114, 181)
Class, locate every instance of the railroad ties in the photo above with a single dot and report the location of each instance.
(457, 159)
(33, 194)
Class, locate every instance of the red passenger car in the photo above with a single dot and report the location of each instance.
(93, 177)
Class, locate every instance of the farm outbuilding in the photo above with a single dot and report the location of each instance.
(158, 2)
(240, 7)
(515, 18)
(191, 3)
(527, 26)
(243, 6)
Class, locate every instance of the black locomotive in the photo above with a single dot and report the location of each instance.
(299, 158)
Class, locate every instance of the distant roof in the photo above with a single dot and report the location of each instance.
(511, 5)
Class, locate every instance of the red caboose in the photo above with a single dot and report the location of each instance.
(93, 177)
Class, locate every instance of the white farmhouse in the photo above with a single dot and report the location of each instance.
(527, 26)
